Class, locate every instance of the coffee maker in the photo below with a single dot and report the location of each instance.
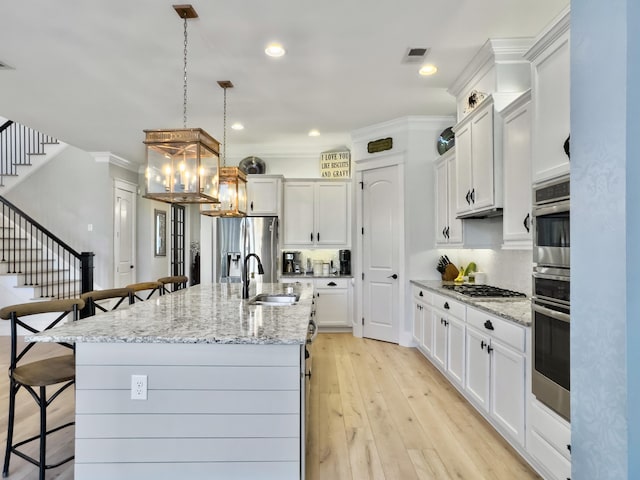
(344, 257)
(290, 262)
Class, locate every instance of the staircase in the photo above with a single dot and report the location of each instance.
(34, 263)
(22, 151)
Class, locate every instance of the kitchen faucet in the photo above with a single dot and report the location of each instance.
(245, 276)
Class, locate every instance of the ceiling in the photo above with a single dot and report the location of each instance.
(96, 73)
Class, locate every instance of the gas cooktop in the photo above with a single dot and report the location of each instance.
(483, 291)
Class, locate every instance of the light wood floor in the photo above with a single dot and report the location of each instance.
(378, 411)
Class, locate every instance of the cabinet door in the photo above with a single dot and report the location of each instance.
(439, 338)
(442, 202)
(517, 177)
(550, 94)
(299, 213)
(508, 389)
(418, 309)
(455, 350)
(332, 307)
(482, 188)
(332, 214)
(263, 196)
(427, 330)
(454, 234)
(477, 384)
(463, 169)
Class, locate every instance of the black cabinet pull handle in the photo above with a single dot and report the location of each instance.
(444, 232)
(252, 205)
(482, 344)
(420, 294)
(446, 305)
(447, 232)
(331, 284)
(488, 325)
(526, 222)
(446, 323)
(569, 448)
(473, 195)
(489, 349)
(394, 276)
(311, 236)
(318, 236)
(467, 197)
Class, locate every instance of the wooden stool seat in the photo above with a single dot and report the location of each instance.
(178, 282)
(91, 298)
(143, 286)
(46, 372)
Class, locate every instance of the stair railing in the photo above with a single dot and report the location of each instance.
(17, 144)
(41, 258)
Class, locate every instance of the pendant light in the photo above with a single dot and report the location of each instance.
(182, 165)
(233, 181)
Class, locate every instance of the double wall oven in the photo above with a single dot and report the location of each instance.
(550, 300)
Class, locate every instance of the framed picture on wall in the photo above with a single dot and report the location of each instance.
(160, 233)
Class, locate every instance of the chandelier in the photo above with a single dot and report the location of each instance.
(232, 199)
(182, 165)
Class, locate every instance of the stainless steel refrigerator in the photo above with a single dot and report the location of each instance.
(238, 237)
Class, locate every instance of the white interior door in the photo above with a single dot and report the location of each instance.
(381, 253)
(124, 234)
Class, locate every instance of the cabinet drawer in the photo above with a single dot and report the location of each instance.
(548, 456)
(553, 430)
(422, 294)
(453, 307)
(503, 330)
(331, 282)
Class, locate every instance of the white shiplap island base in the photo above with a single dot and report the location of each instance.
(224, 387)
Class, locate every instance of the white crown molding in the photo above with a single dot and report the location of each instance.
(402, 124)
(494, 51)
(558, 27)
(108, 157)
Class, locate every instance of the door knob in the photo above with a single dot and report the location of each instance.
(394, 276)
(130, 266)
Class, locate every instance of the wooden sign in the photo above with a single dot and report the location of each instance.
(335, 165)
(380, 145)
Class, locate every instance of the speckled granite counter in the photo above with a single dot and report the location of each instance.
(516, 309)
(309, 277)
(213, 313)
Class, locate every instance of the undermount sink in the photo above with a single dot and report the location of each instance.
(275, 299)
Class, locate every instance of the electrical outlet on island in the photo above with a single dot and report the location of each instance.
(138, 387)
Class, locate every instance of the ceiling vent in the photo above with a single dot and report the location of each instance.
(415, 55)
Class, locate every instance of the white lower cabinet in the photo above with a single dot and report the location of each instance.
(333, 302)
(496, 371)
(448, 317)
(422, 320)
(333, 299)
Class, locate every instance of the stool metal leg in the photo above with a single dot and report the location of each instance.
(43, 432)
(10, 422)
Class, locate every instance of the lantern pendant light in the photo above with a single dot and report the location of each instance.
(182, 165)
(233, 181)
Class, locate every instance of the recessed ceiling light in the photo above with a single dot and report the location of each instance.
(427, 70)
(314, 133)
(237, 126)
(274, 50)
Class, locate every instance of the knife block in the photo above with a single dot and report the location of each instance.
(450, 273)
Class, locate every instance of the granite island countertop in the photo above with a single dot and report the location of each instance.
(515, 309)
(209, 313)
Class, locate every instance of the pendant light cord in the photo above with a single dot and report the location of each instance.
(224, 130)
(184, 106)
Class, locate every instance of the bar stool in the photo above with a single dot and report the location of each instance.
(151, 287)
(178, 281)
(92, 298)
(37, 375)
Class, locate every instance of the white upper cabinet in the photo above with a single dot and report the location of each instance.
(478, 172)
(517, 173)
(448, 227)
(550, 68)
(264, 195)
(316, 213)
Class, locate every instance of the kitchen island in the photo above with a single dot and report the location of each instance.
(224, 397)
